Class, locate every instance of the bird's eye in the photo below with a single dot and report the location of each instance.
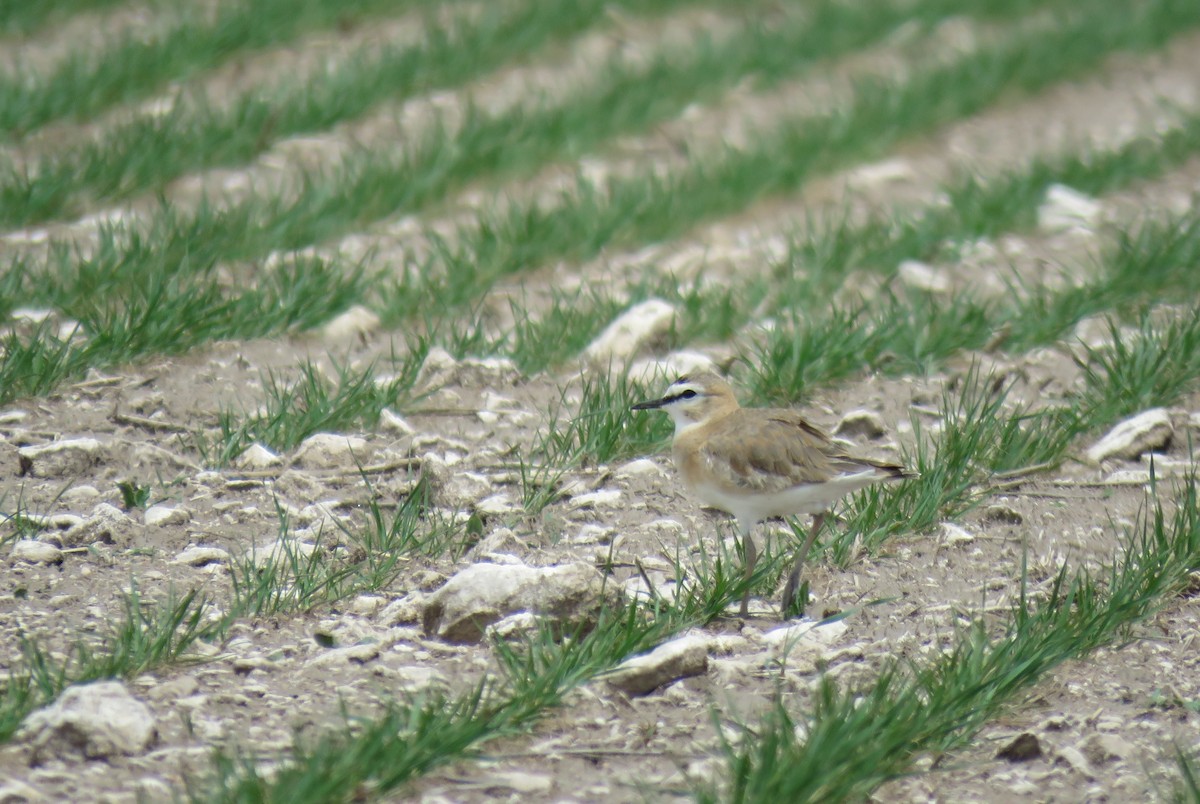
(688, 394)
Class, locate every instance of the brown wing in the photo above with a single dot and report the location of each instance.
(775, 450)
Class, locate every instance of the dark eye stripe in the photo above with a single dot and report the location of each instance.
(688, 394)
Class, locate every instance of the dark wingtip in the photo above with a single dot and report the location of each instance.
(897, 472)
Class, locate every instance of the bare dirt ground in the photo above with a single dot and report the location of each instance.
(1104, 726)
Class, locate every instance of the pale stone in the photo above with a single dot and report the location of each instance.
(281, 553)
(632, 331)
(391, 422)
(353, 654)
(354, 324)
(605, 498)
(956, 534)
(642, 467)
(106, 524)
(257, 457)
(1147, 431)
(159, 515)
(806, 641)
(680, 658)
(483, 594)
(199, 556)
(875, 174)
(98, 720)
(60, 458)
(35, 552)
(331, 450)
(1065, 208)
(861, 422)
(924, 277)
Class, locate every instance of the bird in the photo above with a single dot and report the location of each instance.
(759, 463)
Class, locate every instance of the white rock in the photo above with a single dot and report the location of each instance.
(281, 553)
(31, 315)
(633, 330)
(80, 495)
(463, 490)
(861, 422)
(68, 457)
(1148, 430)
(642, 467)
(1066, 208)
(412, 680)
(106, 524)
(390, 422)
(331, 450)
(199, 556)
(593, 534)
(514, 625)
(1075, 758)
(438, 368)
(407, 609)
(354, 324)
(596, 499)
(656, 372)
(805, 636)
(353, 654)
(521, 782)
(920, 276)
(496, 505)
(14, 791)
(366, 605)
(165, 515)
(878, 173)
(482, 594)
(98, 720)
(680, 658)
(256, 456)
(35, 552)
(956, 534)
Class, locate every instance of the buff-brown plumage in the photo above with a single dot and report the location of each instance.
(758, 463)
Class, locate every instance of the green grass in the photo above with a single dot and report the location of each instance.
(20, 17)
(369, 557)
(856, 739)
(131, 264)
(628, 212)
(345, 560)
(147, 152)
(147, 636)
(295, 409)
(375, 756)
(133, 66)
(130, 305)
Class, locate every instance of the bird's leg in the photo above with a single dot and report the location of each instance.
(751, 551)
(793, 582)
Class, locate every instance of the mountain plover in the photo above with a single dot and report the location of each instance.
(758, 463)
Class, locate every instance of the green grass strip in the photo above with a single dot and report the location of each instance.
(143, 639)
(857, 739)
(633, 211)
(294, 409)
(168, 313)
(371, 187)
(21, 17)
(131, 67)
(819, 260)
(289, 581)
(374, 757)
(148, 152)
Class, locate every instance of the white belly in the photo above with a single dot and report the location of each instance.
(807, 499)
